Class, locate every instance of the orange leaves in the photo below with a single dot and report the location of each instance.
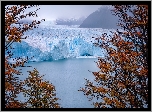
(100, 76)
(103, 76)
(43, 84)
(143, 72)
(88, 92)
(119, 44)
(56, 106)
(121, 85)
(105, 67)
(14, 104)
(123, 55)
(109, 102)
(47, 86)
(99, 90)
(12, 85)
(94, 89)
(134, 53)
(37, 88)
(8, 27)
(112, 52)
(13, 34)
(112, 93)
(39, 91)
(9, 86)
(9, 69)
(126, 61)
(113, 101)
(10, 38)
(51, 87)
(128, 43)
(7, 73)
(105, 99)
(141, 23)
(139, 34)
(96, 105)
(11, 13)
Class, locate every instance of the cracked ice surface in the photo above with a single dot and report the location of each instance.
(59, 42)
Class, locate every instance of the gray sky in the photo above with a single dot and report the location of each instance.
(52, 12)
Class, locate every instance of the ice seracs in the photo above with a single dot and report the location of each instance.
(54, 43)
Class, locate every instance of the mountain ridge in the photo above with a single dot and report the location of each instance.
(101, 18)
(70, 21)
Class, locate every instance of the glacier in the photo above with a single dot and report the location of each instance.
(53, 42)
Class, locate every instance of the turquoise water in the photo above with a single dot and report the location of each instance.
(68, 76)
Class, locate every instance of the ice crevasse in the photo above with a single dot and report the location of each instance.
(46, 43)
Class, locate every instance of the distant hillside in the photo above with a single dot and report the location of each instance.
(69, 22)
(102, 18)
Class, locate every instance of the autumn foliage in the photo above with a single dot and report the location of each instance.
(41, 94)
(122, 81)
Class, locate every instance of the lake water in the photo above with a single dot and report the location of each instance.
(67, 76)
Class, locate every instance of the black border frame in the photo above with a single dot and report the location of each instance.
(3, 3)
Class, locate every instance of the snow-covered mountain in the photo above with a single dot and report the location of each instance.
(56, 42)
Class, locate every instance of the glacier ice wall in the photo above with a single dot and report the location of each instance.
(54, 43)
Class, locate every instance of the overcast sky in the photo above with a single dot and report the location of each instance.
(52, 12)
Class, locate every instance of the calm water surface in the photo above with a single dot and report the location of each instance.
(68, 76)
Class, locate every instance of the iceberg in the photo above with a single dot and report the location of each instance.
(48, 43)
